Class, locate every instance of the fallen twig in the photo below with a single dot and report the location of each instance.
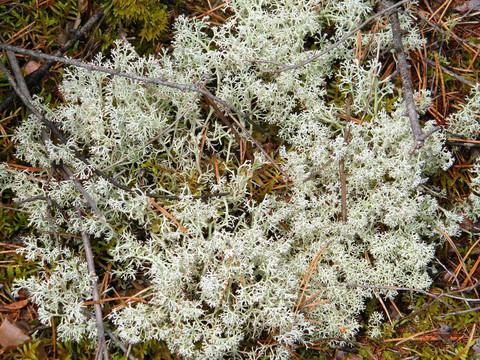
(464, 42)
(418, 135)
(449, 72)
(14, 209)
(463, 312)
(22, 90)
(102, 345)
(436, 297)
(463, 142)
(68, 173)
(144, 79)
(249, 136)
(317, 172)
(170, 216)
(372, 86)
(111, 336)
(238, 139)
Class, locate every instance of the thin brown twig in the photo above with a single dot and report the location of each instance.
(317, 172)
(262, 61)
(466, 43)
(260, 147)
(202, 143)
(22, 86)
(369, 44)
(52, 226)
(208, 12)
(53, 128)
(341, 339)
(463, 142)
(35, 198)
(249, 136)
(460, 259)
(24, 93)
(14, 209)
(306, 278)
(462, 312)
(419, 311)
(170, 216)
(348, 119)
(436, 297)
(238, 138)
(374, 80)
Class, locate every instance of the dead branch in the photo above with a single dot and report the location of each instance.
(111, 336)
(259, 147)
(68, 173)
(447, 34)
(238, 139)
(463, 142)
(144, 79)
(102, 345)
(14, 209)
(21, 89)
(317, 172)
(250, 137)
(374, 80)
(436, 297)
(450, 72)
(459, 313)
(418, 135)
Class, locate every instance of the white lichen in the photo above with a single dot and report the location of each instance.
(233, 274)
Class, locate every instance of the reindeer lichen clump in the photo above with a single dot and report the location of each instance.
(225, 271)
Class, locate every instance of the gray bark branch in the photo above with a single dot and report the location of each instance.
(418, 135)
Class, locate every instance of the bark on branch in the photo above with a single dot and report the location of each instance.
(419, 135)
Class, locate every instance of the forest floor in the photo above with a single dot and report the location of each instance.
(430, 325)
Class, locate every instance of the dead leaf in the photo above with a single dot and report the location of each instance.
(31, 66)
(11, 335)
(469, 225)
(14, 306)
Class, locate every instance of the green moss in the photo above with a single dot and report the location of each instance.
(149, 17)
